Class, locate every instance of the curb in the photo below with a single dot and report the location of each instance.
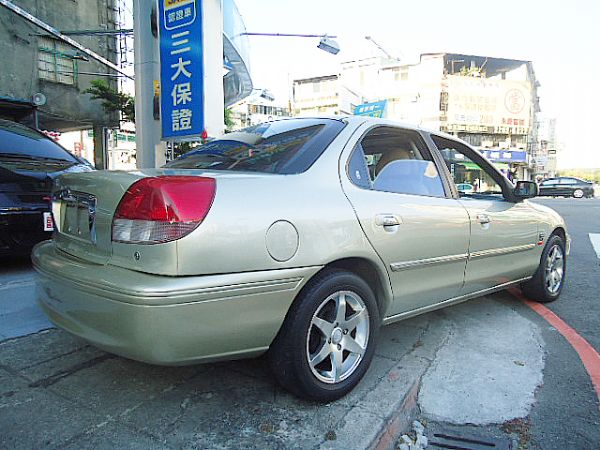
(399, 422)
(378, 419)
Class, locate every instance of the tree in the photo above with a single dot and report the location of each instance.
(113, 100)
(228, 118)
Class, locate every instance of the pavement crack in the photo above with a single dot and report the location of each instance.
(56, 377)
(56, 357)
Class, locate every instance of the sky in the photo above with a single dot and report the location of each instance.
(561, 38)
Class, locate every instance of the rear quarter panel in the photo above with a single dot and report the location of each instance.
(233, 237)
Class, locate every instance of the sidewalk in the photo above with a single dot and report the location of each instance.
(58, 392)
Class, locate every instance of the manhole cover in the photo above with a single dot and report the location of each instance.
(464, 441)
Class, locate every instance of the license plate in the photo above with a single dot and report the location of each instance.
(48, 222)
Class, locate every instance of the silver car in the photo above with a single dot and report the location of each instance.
(299, 238)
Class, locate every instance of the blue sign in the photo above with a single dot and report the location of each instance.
(373, 109)
(181, 68)
(497, 155)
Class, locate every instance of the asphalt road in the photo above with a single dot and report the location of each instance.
(567, 414)
(492, 361)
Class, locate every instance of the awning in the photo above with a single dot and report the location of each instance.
(468, 165)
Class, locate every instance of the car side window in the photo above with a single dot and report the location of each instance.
(394, 160)
(568, 181)
(357, 168)
(470, 178)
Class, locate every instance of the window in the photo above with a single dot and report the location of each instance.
(282, 147)
(394, 160)
(400, 74)
(568, 181)
(470, 178)
(56, 62)
(549, 183)
(19, 141)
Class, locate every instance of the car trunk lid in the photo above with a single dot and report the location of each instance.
(83, 206)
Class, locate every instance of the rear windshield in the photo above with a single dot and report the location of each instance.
(281, 147)
(18, 141)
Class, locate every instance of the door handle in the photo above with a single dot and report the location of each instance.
(387, 220)
(483, 219)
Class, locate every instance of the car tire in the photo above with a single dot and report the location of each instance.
(327, 340)
(578, 193)
(548, 281)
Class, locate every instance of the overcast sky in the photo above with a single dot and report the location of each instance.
(561, 38)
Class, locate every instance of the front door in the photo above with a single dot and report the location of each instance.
(504, 234)
(419, 232)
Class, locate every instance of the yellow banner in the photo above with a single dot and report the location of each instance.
(174, 3)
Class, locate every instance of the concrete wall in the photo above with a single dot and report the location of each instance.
(67, 107)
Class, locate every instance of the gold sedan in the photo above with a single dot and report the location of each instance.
(298, 237)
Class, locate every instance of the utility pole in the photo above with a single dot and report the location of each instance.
(149, 147)
(147, 74)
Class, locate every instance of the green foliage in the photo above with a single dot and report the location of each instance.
(228, 118)
(113, 100)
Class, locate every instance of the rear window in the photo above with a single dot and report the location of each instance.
(20, 141)
(281, 147)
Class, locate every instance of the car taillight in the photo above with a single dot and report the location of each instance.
(162, 209)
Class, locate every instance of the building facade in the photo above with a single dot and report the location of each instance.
(491, 103)
(544, 160)
(37, 62)
(254, 111)
(324, 95)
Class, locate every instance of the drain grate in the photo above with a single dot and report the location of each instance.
(468, 442)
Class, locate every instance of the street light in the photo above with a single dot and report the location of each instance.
(327, 43)
(383, 50)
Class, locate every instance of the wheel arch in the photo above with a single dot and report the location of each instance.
(372, 274)
(368, 270)
(560, 231)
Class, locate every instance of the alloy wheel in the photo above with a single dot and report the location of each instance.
(555, 268)
(337, 337)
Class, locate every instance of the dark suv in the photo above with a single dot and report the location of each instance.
(567, 187)
(29, 162)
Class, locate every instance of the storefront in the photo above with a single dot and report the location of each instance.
(512, 163)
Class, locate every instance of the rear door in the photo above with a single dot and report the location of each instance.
(549, 187)
(568, 185)
(401, 201)
(504, 234)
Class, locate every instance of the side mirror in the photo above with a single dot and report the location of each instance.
(526, 189)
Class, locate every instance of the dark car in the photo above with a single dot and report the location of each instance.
(567, 187)
(29, 162)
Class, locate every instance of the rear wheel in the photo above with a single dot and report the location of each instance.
(578, 193)
(327, 341)
(547, 282)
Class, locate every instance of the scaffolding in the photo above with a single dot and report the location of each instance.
(123, 15)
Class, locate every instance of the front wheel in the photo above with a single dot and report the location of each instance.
(547, 282)
(327, 340)
(578, 193)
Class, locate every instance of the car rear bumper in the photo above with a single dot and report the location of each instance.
(20, 231)
(165, 320)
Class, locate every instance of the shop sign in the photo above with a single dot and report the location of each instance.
(499, 105)
(507, 156)
(181, 68)
(373, 109)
